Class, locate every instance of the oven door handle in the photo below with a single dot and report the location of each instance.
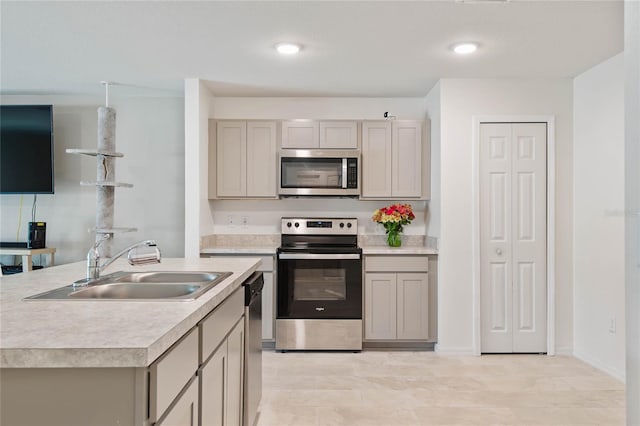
(318, 256)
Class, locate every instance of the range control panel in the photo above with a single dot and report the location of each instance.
(319, 226)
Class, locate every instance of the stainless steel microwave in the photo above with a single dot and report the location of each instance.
(319, 172)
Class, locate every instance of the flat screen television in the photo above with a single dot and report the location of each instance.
(26, 149)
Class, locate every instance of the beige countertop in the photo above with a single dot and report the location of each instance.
(73, 333)
(268, 244)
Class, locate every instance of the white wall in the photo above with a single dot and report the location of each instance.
(598, 259)
(461, 100)
(149, 131)
(433, 111)
(632, 200)
(198, 219)
(316, 108)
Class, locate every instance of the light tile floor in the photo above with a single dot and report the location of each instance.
(425, 388)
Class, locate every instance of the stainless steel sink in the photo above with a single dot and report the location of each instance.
(156, 285)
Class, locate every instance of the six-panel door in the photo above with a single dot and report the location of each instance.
(513, 237)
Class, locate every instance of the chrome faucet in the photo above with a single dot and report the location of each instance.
(93, 257)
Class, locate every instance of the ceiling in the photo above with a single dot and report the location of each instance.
(350, 48)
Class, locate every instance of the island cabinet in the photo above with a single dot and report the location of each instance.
(395, 160)
(311, 134)
(221, 373)
(397, 301)
(197, 381)
(172, 381)
(242, 159)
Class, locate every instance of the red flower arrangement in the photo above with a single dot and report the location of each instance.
(393, 218)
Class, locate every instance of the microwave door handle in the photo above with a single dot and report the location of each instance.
(344, 173)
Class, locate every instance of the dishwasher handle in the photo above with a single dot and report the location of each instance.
(253, 287)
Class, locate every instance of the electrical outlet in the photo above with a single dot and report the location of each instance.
(231, 220)
(612, 325)
(244, 220)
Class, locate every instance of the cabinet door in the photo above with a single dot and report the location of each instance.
(406, 155)
(213, 388)
(185, 410)
(376, 159)
(380, 306)
(413, 306)
(300, 134)
(339, 134)
(171, 372)
(267, 306)
(235, 376)
(231, 164)
(261, 159)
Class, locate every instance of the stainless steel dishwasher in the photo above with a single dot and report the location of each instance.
(253, 347)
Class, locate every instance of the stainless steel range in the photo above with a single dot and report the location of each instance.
(319, 293)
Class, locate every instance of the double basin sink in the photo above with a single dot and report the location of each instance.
(162, 285)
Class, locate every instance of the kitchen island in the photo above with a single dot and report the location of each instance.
(95, 362)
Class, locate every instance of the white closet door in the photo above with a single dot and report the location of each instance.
(513, 237)
(529, 237)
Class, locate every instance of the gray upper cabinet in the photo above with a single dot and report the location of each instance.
(302, 134)
(376, 159)
(242, 161)
(311, 134)
(395, 160)
(339, 134)
(231, 159)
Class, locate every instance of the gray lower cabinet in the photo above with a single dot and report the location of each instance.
(185, 410)
(396, 298)
(170, 377)
(221, 382)
(221, 371)
(198, 377)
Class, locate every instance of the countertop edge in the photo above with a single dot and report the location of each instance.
(239, 250)
(120, 357)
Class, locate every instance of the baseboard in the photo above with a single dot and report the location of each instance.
(564, 350)
(452, 350)
(398, 346)
(596, 363)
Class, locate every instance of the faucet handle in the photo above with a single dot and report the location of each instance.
(146, 258)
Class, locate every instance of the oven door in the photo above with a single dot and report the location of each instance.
(319, 285)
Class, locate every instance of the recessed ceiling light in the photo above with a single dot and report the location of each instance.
(465, 48)
(287, 48)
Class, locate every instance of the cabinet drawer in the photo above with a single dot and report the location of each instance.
(396, 263)
(171, 372)
(215, 327)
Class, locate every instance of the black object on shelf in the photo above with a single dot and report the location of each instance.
(13, 244)
(37, 235)
(15, 269)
